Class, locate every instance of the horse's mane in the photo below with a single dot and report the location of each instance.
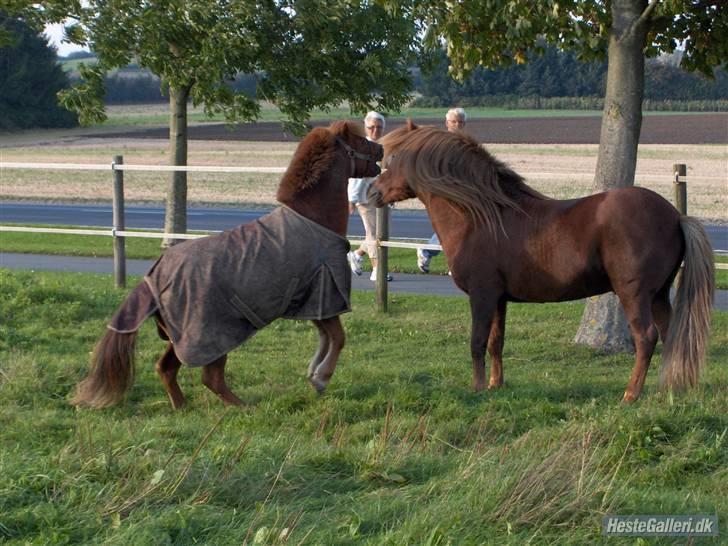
(313, 157)
(455, 166)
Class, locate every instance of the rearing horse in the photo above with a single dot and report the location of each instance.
(209, 295)
(506, 242)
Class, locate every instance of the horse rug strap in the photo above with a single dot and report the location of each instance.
(216, 292)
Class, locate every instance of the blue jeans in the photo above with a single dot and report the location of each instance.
(429, 254)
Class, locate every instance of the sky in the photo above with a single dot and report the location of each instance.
(55, 34)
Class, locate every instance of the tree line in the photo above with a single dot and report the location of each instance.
(559, 80)
(541, 83)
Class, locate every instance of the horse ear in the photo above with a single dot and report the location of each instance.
(411, 125)
(345, 128)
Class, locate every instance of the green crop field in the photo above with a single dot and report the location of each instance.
(399, 450)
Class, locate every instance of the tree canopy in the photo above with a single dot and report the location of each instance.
(30, 78)
(305, 54)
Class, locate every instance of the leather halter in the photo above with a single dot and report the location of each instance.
(354, 155)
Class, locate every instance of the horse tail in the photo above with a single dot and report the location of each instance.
(111, 373)
(683, 353)
(112, 361)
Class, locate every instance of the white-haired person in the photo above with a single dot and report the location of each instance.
(454, 121)
(357, 191)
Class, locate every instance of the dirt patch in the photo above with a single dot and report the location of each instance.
(656, 129)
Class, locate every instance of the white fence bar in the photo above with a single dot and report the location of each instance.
(125, 167)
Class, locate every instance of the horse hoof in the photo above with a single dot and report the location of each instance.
(628, 398)
(320, 386)
(494, 386)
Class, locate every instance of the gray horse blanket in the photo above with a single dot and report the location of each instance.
(214, 293)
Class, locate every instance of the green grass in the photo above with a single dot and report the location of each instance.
(398, 451)
(400, 260)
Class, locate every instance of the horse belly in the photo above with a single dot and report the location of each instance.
(541, 289)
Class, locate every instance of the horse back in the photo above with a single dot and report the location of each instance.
(564, 250)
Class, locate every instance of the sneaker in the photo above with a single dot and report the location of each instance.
(355, 261)
(423, 262)
(373, 277)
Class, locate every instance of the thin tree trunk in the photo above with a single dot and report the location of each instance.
(175, 218)
(603, 324)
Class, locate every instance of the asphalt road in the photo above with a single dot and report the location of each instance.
(409, 224)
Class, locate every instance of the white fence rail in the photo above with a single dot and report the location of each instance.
(118, 233)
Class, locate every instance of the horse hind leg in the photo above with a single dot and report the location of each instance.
(335, 343)
(323, 348)
(167, 367)
(645, 334)
(213, 377)
(662, 312)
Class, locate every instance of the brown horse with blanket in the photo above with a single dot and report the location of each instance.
(210, 295)
(506, 242)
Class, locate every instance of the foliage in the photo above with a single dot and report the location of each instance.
(501, 33)
(305, 55)
(30, 78)
(398, 451)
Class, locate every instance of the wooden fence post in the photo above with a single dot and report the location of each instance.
(382, 258)
(118, 223)
(681, 190)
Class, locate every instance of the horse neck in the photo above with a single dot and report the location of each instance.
(324, 203)
(451, 223)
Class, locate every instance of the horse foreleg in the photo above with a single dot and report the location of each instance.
(495, 344)
(323, 348)
(336, 338)
(644, 333)
(482, 307)
(167, 367)
(213, 377)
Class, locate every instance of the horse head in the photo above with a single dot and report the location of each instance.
(392, 185)
(314, 184)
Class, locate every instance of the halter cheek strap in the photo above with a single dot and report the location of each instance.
(354, 155)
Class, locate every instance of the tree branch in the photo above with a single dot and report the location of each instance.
(647, 13)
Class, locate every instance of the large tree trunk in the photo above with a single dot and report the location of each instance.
(175, 219)
(603, 324)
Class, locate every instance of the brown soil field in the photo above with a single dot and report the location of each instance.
(656, 129)
(557, 156)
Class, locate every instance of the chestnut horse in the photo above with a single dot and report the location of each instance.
(211, 294)
(506, 242)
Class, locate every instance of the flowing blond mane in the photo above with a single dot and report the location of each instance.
(455, 166)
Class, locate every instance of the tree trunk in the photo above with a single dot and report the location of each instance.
(175, 218)
(603, 324)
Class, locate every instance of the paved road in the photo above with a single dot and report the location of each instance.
(411, 224)
(441, 285)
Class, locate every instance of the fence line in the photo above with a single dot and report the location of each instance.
(114, 166)
(118, 233)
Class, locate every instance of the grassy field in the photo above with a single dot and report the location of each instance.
(398, 451)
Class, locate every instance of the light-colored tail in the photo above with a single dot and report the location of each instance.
(111, 373)
(683, 354)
